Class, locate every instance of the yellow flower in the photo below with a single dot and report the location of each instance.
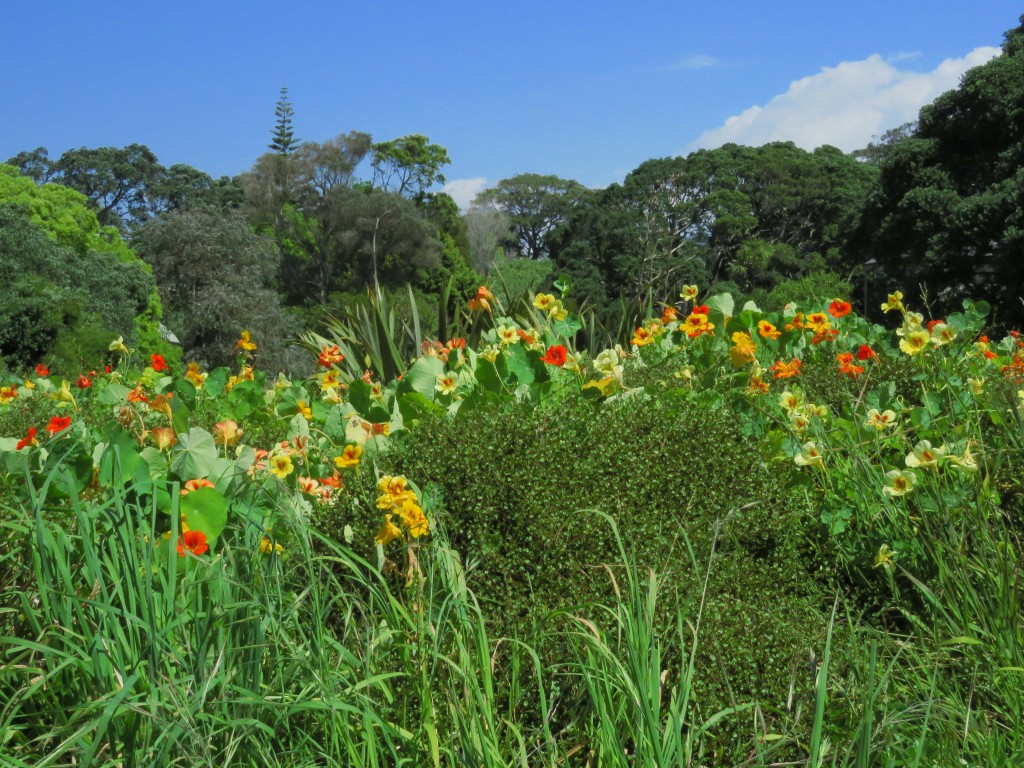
(163, 438)
(305, 410)
(490, 353)
(925, 455)
(689, 293)
(818, 322)
(767, 330)
(791, 401)
(942, 334)
(7, 394)
(557, 311)
(977, 386)
(162, 404)
(507, 334)
(117, 345)
(899, 482)
(227, 433)
(446, 383)
(387, 533)
(281, 465)
(744, 350)
(880, 421)
(245, 342)
(895, 302)
(965, 461)
(268, 547)
(885, 558)
(63, 395)
(642, 336)
(799, 421)
(915, 342)
(543, 301)
(809, 456)
(350, 456)
(194, 375)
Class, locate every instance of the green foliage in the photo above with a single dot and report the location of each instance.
(283, 137)
(409, 165)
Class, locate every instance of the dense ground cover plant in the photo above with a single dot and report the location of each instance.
(749, 537)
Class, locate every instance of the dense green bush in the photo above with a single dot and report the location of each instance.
(521, 494)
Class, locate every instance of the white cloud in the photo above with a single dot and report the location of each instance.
(464, 190)
(846, 105)
(694, 61)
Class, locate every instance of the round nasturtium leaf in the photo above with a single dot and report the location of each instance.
(205, 510)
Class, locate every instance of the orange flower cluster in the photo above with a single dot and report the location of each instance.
(847, 367)
(786, 370)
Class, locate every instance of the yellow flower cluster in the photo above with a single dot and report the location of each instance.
(401, 508)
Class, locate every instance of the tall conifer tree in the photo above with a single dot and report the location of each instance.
(284, 141)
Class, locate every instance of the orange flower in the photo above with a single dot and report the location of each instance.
(194, 375)
(797, 324)
(329, 356)
(828, 334)
(164, 438)
(767, 330)
(482, 300)
(786, 370)
(697, 324)
(7, 394)
(245, 343)
(350, 456)
(42, 370)
(669, 315)
(28, 440)
(846, 365)
(642, 336)
(556, 355)
(195, 485)
(839, 308)
(138, 395)
(162, 404)
(157, 363)
(58, 424)
(83, 382)
(227, 433)
(194, 542)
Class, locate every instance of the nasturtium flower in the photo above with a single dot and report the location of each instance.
(158, 364)
(308, 485)
(607, 362)
(915, 342)
(697, 324)
(912, 321)
(977, 386)
(768, 331)
(642, 335)
(227, 433)
(895, 301)
(413, 518)
(847, 366)
(791, 401)
(743, 350)
(490, 353)
(195, 376)
(809, 456)
(195, 485)
(245, 342)
(507, 334)
(866, 353)
(117, 345)
(965, 460)
(350, 456)
(556, 355)
(162, 404)
(689, 293)
(28, 440)
(669, 315)
(797, 323)
(58, 424)
(925, 455)
(818, 322)
(543, 301)
(942, 334)
(446, 383)
(138, 395)
(757, 385)
(885, 558)
(839, 308)
(305, 410)
(899, 482)
(83, 382)
(880, 420)
(786, 370)
(574, 362)
(42, 371)
(163, 438)
(281, 465)
(387, 533)
(7, 394)
(818, 411)
(194, 542)
(329, 355)
(268, 547)
(798, 421)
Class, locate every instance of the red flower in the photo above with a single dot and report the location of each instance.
(933, 323)
(28, 440)
(556, 355)
(194, 542)
(866, 353)
(329, 356)
(83, 382)
(158, 363)
(42, 370)
(839, 308)
(826, 335)
(700, 309)
(106, 369)
(58, 424)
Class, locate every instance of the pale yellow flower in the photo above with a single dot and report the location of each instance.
(117, 345)
(977, 386)
(942, 334)
(880, 421)
(885, 558)
(925, 455)
(899, 482)
(544, 301)
(809, 456)
(490, 353)
(446, 383)
(895, 302)
(507, 334)
(689, 293)
(915, 342)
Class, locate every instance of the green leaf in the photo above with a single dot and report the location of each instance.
(422, 377)
(216, 381)
(195, 455)
(113, 394)
(205, 510)
(723, 305)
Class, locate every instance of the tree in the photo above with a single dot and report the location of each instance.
(322, 167)
(35, 164)
(283, 140)
(535, 204)
(947, 214)
(487, 230)
(409, 165)
(215, 276)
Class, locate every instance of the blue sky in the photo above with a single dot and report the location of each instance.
(583, 90)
